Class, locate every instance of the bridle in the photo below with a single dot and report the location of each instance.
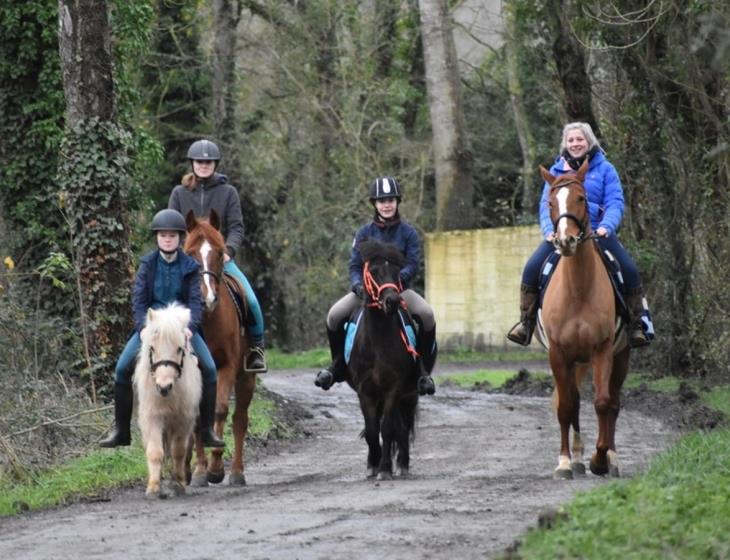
(375, 290)
(582, 224)
(169, 363)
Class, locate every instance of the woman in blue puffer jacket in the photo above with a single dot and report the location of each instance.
(606, 208)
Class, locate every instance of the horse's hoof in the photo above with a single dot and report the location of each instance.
(613, 471)
(384, 476)
(199, 481)
(372, 472)
(215, 477)
(177, 489)
(598, 470)
(402, 472)
(563, 474)
(578, 468)
(237, 479)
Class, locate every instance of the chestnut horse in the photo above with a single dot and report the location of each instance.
(382, 369)
(579, 319)
(228, 345)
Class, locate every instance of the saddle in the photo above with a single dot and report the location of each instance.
(613, 268)
(238, 296)
(407, 327)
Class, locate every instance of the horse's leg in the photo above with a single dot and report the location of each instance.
(155, 454)
(245, 386)
(578, 448)
(200, 476)
(618, 375)
(563, 373)
(406, 412)
(602, 362)
(216, 469)
(178, 451)
(372, 433)
(389, 433)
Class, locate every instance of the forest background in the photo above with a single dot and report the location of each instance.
(311, 99)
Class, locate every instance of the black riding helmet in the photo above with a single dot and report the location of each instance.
(169, 220)
(204, 150)
(384, 187)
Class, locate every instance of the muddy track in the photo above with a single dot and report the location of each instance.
(481, 472)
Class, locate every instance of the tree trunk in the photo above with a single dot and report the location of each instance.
(454, 190)
(530, 190)
(570, 64)
(92, 176)
(227, 13)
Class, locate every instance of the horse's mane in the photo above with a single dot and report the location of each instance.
(372, 249)
(168, 323)
(204, 231)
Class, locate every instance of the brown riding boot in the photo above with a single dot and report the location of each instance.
(521, 333)
(635, 303)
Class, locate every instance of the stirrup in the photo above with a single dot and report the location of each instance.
(521, 340)
(636, 341)
(255, 361)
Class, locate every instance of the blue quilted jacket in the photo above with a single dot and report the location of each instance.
(604, 191)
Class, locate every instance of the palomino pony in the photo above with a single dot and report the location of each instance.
(228, 345)
(382, 368)
(168, 386)
(579, 319)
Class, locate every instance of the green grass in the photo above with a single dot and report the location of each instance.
(680, 508)
(493, 378)
(471, 356)
(101, 469)
(315, 358)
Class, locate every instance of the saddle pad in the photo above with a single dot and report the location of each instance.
(236, 290)
(352, 325)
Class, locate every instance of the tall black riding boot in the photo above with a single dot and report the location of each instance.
(521, 333)
(336, 371)
(207, 417)
(123, 402)
(428, 350)
(635, 303)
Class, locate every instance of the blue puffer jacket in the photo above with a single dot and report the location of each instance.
(401, 234)
(604, 191)
(144, 286)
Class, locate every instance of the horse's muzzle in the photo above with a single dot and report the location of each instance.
(567, 246)
(164, 391)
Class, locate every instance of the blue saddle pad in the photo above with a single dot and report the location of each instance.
(352, 325)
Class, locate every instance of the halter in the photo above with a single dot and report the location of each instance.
(374, 290)
(582, 224)
(169, 363)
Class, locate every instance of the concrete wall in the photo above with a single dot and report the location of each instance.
(473, 281)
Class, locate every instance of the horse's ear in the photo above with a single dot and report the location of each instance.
(190, 220)
(549, 178)
(582, 170)
(214, 219)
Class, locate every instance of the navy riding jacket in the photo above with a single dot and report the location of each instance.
(401, 234)
(144, 295)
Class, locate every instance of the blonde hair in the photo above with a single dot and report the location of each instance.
(188, 181)
(587, 131)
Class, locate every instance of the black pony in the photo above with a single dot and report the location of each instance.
(382, 366)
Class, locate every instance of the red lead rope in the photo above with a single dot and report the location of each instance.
(374, 290)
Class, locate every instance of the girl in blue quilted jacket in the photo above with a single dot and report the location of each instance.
(606, 208)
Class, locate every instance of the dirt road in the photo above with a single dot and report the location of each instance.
(481, 471)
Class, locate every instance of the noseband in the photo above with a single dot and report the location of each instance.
(375, 290)
(169, 363)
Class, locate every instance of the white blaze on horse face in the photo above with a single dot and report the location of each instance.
(205, 251)
(562, 198)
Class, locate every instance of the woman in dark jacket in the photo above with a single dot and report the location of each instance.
(387, 226)
(164, 276)
(202, 191)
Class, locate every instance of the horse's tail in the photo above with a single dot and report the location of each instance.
(580, 373)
